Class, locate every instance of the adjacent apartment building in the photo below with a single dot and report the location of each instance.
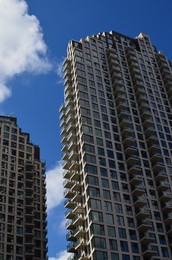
(22, 195)
(117, 145)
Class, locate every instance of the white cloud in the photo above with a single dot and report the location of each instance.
(63, 255)
(60, 71)
(22, 48)
(54, 181)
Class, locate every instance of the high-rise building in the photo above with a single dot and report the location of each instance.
(22, 195)
(117, 145)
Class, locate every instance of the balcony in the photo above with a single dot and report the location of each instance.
(80, 244)
(168, 83)
(129, 140)
(160, 176)
(127, 131)
(76, 186)
(129, 148)
(68, 193)
(163, 185)
(77, 197)
(169, 231)
(138, 190)
(80, 232)
(71, 247)
(144, 226)
(134, 169)
(114, 69)
(66, 165)
(150, 130)
(122, 105)
(145, 238)
(74, 167)
(119, 90)
(165, 196)
(136, 179)
(70, 236)
(67, 174)
(140, 202)
(70, 225)
(142, 213)
(69, 203)
(147, 252)
(135, 71)
(148, 122)
(69, 214)
(133, 63)
(75, 174)
(168, 219)
(158, 166)
(78, 209)
(116, 75)
(67, 184)
(156, 157)
(132, 159)
(73, 156)
(121, 97)
(167, 207)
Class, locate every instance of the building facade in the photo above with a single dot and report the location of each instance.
(117, 145)
(22, 195)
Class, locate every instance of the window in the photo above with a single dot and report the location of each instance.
(100, 151)
(100, 255)
(110, 154)
(96, 216)
(105, 183)
(90, 158)
(112, 164)
(114, 256)
(106, 194)
(97, 229)
(96, 204)
(91, 169)
(116, 196)
(122, 233)
(89, 148)
(124, 246)
(113, 244)
(109, 219)
(118, 208)
(120, 220)
(108, 206)
(94, 192)
(134, 247)
(111, 231)
(132, 234)
(92, 180)
(99, 242)
(103, 172)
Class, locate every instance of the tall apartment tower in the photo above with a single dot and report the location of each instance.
(117, 145)
(22, 195)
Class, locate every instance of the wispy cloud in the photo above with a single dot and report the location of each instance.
(62, 255)
(59, 71)
(54, 181)
(22, 48)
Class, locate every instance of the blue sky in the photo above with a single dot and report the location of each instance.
(31, 55)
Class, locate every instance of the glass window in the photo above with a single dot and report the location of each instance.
(97, 229)
(108, 206)
(122, 233)
(113, 244)
(99, 242)
(109, 219)
(124, 246)
(111, 231)
(96, 216)
(96, 204)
